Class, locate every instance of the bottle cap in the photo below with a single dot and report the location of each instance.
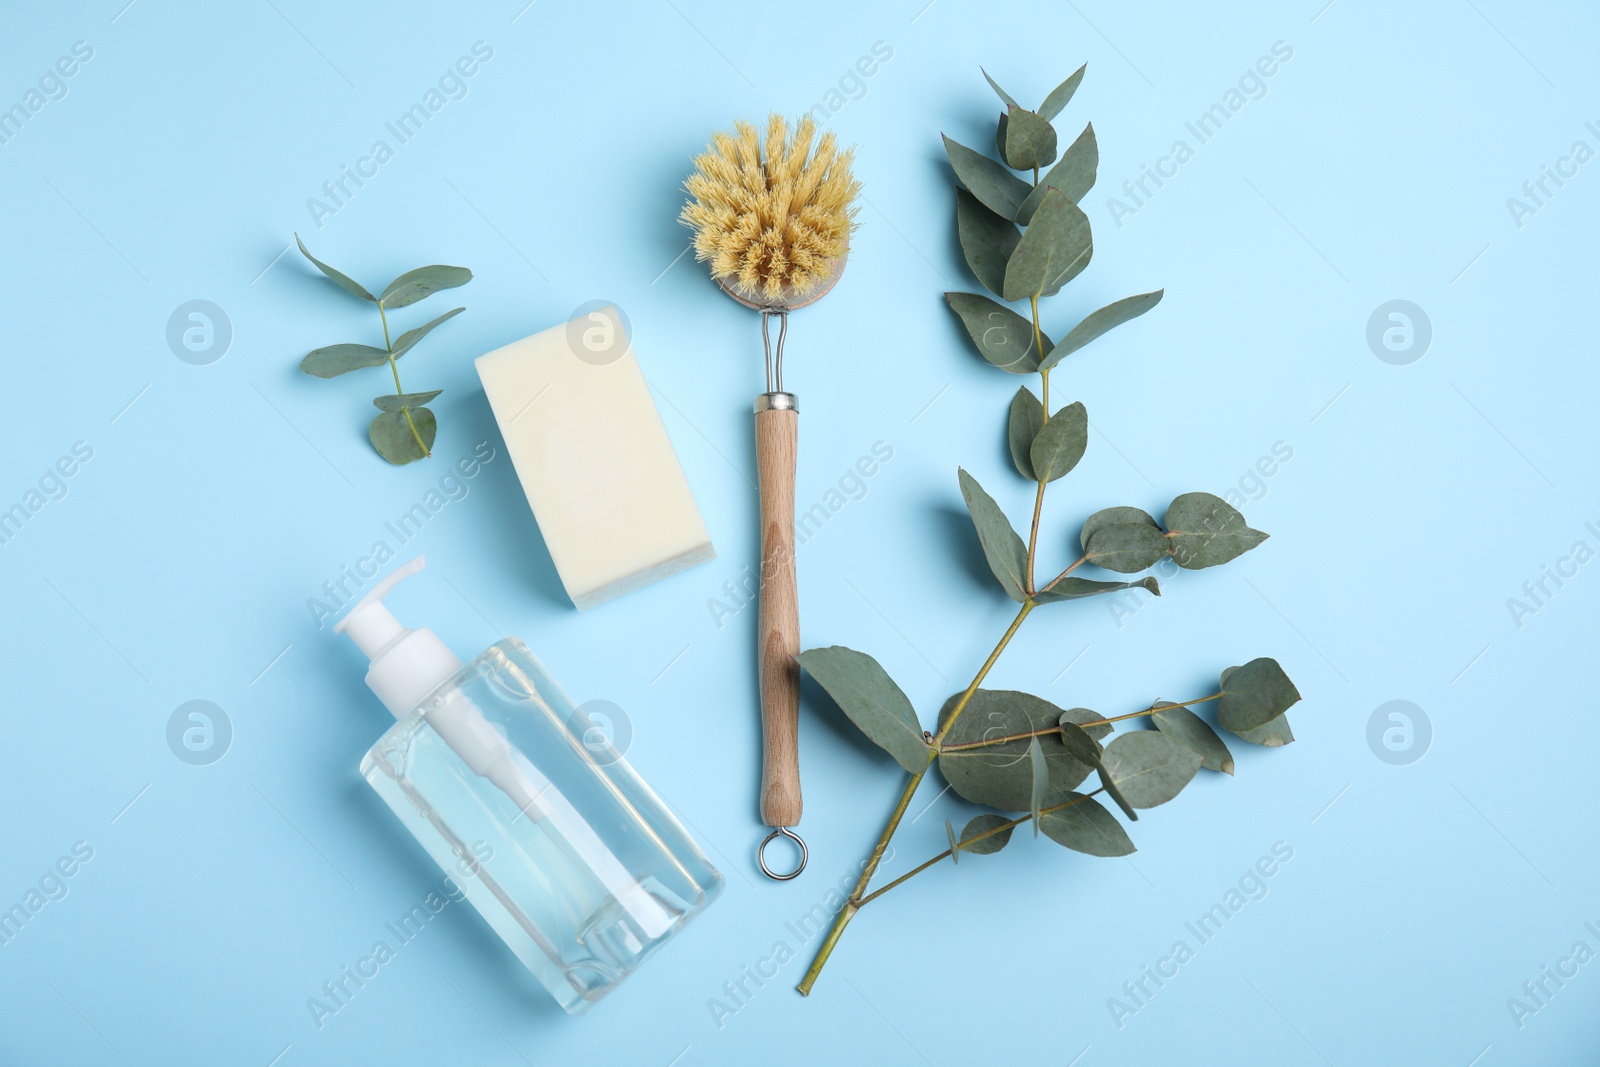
(407, 664)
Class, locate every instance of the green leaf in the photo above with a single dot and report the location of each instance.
(1125, 547)
(1060, 443)
(1110, 786)
(1002, 774)
(1000, 191)
(335, 360)
(394, 402)
(1087, 827)
(1003, 337)
(344, 281)
(955, 846)
(423, 282)
(987, 240)
(1061, 94)
(1185, 726)
(1030, 140)
(1103, 321)
(1001, 93)
(983, 824)
(865, 692)
(1080, 744)
(1000, 138)
(1041, 781)
(1273, 735)
(1073, 174)
(1078, 588)
(1148, 767)
(1107, 516)
(391, 435)
(1054, 250)
(1206, 530)
(1027, 416)
(1254, 695)
(409, 339)
(1007, 555)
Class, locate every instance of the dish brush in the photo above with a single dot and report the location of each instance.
(772, 216)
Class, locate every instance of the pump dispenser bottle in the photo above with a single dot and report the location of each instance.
(561, 847)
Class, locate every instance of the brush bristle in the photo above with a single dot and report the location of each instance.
(772, 215)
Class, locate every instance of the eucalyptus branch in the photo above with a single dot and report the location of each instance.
(404, 428)
(1041, 752)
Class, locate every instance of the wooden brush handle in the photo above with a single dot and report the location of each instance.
(778, 628)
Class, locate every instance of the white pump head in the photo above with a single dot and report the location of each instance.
(407, 664)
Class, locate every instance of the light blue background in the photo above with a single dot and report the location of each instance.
(219, 498)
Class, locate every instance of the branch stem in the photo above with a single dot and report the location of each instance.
(1047, 731)
(1008, 825)
(1038, 497)
(398, 391)
(1150, 711)
(1070, 568)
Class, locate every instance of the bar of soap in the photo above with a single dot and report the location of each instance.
(594, 458)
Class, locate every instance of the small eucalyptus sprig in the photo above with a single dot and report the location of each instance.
(1009, 751)
(404, 428)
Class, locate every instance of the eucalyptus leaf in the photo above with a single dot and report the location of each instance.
(1125, 547)
(1206, 530)
(1027, 416)
(391, 434)
(1060, 443)
(1061, 94)
(1274, 734)
(1107, 516)
(1189, 728)
(1254, 695)
(987, 240)
(394, 402)
(1000, 191)
(423, 282)
(409, 339)
(871, 699)
(1077, 588)
(1087, 827)
(1099, 322)
(955, 846)
(1041, 781)
(1001, 773)
(984, 824)
(1148, 767)
(344, 281)
(1030, 139)
(1080, 744)
(335, 360)
(1001, 93)
(1109, 784)
(1074, 174)
(1007, 555)
(1055, 249)
(1002, 337)
(1000, 137)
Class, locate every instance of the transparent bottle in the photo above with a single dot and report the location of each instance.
(558, 844)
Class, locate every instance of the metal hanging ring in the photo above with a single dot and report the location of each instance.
(761, 854)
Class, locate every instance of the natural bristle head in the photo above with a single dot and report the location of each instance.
(772, 214)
